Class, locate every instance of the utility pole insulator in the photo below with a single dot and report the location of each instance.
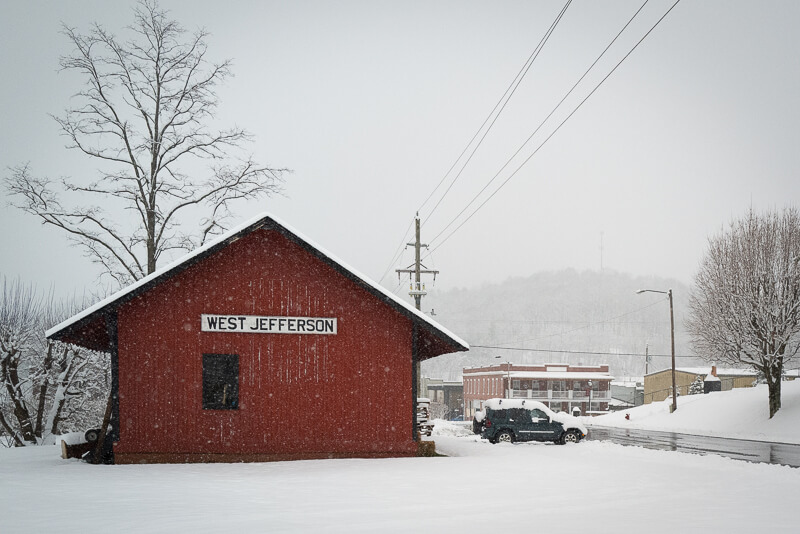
(417, 288)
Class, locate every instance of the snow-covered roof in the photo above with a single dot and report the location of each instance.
(627, 383)
(720, 371)
(577, 375)
(266, 221)
(630, 379)
(548, 375)
(618, 402)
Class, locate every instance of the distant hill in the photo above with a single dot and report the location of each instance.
(551, 313)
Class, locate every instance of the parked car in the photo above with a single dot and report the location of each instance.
(509, 420)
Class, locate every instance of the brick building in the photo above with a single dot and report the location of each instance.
(561, 387)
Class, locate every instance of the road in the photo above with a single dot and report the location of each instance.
(739, 449)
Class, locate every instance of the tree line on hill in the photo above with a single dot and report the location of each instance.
(579, 318)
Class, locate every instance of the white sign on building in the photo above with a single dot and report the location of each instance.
(268, 324)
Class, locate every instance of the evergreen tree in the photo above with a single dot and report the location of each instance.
(697, 387)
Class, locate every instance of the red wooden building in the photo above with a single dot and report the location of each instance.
(259, 346)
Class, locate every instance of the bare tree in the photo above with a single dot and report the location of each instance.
(439, 410)
(19, 315)
(745, 308)
(43, 384)
(143, 117)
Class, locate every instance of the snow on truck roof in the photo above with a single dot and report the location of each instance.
(503, 404)
(263, 221)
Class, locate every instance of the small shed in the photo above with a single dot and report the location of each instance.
(259, 346)
(711, 382)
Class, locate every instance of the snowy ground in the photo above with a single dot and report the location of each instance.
(588, 487)
(739, 413)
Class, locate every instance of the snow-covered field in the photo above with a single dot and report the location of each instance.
(739, 413)
(588, 487)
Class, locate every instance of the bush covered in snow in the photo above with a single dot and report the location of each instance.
(450, 428)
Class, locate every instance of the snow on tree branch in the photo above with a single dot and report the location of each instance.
(745, 308)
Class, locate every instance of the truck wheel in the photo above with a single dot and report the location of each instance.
(570, 436)
(505, 437)
(92, 435)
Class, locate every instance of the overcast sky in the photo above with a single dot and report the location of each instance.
(371, 102)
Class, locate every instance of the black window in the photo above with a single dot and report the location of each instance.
(519, 415)
(220, 381)
(496, 416)
(538, 414)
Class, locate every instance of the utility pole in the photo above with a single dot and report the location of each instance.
(417, 289)
(672, 341)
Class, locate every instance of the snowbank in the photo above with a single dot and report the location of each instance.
(739, 413)
(450, 428)
(588, 487)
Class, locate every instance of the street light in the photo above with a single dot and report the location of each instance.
(672, 337)
(508, 371)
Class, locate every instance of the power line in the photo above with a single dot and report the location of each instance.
(541, 124)
(548, 322)
(504, 99)
(515, 84)
(580, 352)
(398, 252)
(553, 133)
(399, 285)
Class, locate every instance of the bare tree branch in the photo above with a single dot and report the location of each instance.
(745, 309)
(143, 115)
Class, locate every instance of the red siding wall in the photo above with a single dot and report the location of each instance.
(299, 395)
